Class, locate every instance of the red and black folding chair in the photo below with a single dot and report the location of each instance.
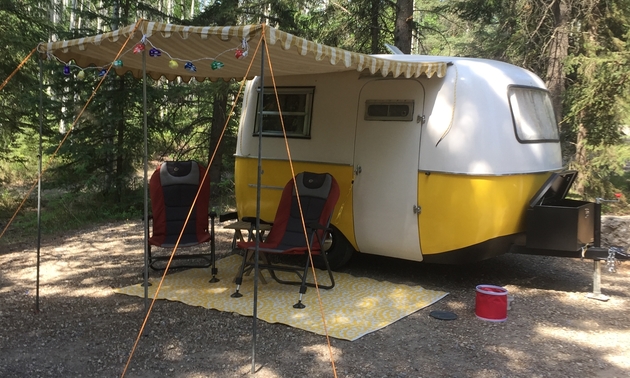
(173, 188)
(318, 194)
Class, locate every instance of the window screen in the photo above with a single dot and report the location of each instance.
(388, 110)
(296, 107)
(533, 115)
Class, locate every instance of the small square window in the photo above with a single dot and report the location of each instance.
(295, 105)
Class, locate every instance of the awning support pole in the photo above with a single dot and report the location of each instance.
(39, 180)
(146, 182)
(259, 183)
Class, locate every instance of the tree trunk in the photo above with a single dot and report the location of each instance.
(219, 118)
(118, 107)
(558, 50)
(581, 141)
(374, 27)
(219, 110)
(120, 143)
(581, 159)
(404, 25)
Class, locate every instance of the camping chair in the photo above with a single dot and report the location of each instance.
(318, 193)
(173, 187)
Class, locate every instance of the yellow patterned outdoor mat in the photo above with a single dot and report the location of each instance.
(355, 307)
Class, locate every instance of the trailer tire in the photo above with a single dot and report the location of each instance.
(338, 250)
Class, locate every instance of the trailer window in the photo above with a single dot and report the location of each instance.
(379, 110)
(533, 115)
(296, 106)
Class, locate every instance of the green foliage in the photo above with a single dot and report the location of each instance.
(22, 26)
(516, 32)
(9, 201)
(609, 174)
(21, 166)
(65, 211)
(362, 26)
(596, 98)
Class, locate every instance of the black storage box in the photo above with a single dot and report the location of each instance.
(557, 223)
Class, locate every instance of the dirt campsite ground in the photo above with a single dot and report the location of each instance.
(83, 329)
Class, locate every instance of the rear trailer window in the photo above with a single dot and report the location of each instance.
(533, 115)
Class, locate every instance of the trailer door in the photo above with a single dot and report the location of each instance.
(387, 148)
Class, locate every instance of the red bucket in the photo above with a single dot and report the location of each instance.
(491, 303)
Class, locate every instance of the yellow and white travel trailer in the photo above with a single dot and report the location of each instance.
(430, 169)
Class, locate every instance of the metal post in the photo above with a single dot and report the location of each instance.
(597, 267)
(597, 283)
(146, 182)
(259, 183)
(39, 181)
(597, 223)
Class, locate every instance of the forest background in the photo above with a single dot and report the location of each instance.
(580, 48)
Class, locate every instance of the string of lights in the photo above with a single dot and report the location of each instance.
(240, 52)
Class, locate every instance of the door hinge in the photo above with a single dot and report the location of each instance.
(421, 119)
(417, 209)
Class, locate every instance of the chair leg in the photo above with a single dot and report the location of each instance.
(213, 256)
(239, 278)
(214, 269)
(148, 264)
(236, 294)
(299, 304)
(332, 279)
(325, 258)
(150, 258)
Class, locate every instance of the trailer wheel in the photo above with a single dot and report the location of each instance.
(338, 250)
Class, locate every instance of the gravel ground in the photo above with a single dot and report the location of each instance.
(83, 329)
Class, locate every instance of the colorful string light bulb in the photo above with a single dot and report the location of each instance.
(154, 53)
(216, 65)
(173, 64)
(138, 48)
(190, 67)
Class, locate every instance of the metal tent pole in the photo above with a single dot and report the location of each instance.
(39, 180)
(258, 185)
(146, 182)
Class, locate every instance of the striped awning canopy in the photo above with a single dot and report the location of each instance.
(219, 52)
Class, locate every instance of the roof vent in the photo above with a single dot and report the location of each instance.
(393, 49)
